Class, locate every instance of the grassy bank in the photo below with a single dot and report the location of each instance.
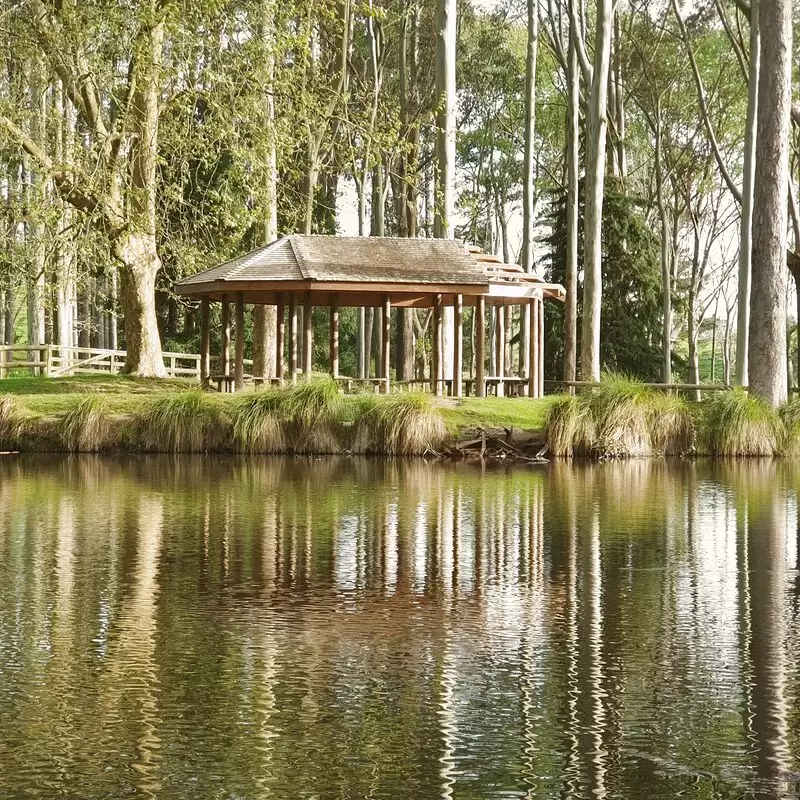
(89, 414)
(622, 418)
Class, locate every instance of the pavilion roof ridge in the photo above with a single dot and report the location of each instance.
(298, 254)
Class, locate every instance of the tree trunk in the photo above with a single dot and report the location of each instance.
(446, 152)
(596, 126)
(767, 349)
(666, 263)
(141, 264)
(573, 157)
(748, 169)
(265, 318)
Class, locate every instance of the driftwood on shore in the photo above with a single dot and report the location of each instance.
(499, 444)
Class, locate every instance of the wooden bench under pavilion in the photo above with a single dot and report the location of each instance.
(306, 271)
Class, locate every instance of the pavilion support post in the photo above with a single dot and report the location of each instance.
(238, 376)
(458, 345)
(436, 348)
(334, 339)
(540, 345)
(500, 348)
(205, 342)
(308, 335)
(293, 337)
(225, 359)
(533, 348)
(480, 347)
(386, 348)
(280, 335)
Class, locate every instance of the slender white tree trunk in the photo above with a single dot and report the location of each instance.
(573, 158)
(596, 128)
(767, 347)
(666, 261)
(528, 199)
(745, 247)
(446, 150)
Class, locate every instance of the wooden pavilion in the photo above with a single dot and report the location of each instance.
(302, 271)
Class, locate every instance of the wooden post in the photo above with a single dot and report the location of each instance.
(500, 347)
(386, 341)
(280, 335)
(540, 345)
(238, 376)
(225, 360)
(308, 335)
(480, 345)
(205, 342)
(293, 337)
(533, 349)
(334, 339)
(458, 345)
(436, 349)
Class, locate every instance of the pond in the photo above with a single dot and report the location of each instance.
(352, 628)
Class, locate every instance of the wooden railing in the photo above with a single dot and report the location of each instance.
(53, 361)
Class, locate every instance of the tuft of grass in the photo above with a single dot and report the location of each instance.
(313, 413)
(188, 422)
(672, 428)
(257, 422)
(736, 423)
(789, 414)
(619, 408)
(85, 428)
(407, 424)
(569, 429)
(12, 422)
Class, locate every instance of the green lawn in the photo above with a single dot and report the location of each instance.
(498, 412)
(123, 394)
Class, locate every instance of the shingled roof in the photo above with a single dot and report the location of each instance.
(356, 259)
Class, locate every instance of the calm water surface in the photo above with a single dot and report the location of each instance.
(213, 628)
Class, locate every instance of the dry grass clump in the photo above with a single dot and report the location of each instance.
(313, 413)
(399, 425)
(620, 418)
(672, 426)
(257, 423)
(569, 429)
(735, 423)
(789, 414)
(86, 427)
(619, 407)
(12, 422)
(188, 422)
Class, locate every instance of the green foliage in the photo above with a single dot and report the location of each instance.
(86, 427)
(189, 422)
(631, 307)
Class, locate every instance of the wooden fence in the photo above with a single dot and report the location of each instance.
(53, 361)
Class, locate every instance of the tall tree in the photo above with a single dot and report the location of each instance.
(446, 149)
(596, 129)
(767, 350)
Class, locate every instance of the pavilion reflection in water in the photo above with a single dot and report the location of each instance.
(581, 630)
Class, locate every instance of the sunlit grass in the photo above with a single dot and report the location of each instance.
(736, 423)
(186, 422)
(12, 421)
(399, 425)
(86, 427)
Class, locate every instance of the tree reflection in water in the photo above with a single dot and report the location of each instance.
(190, 627)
